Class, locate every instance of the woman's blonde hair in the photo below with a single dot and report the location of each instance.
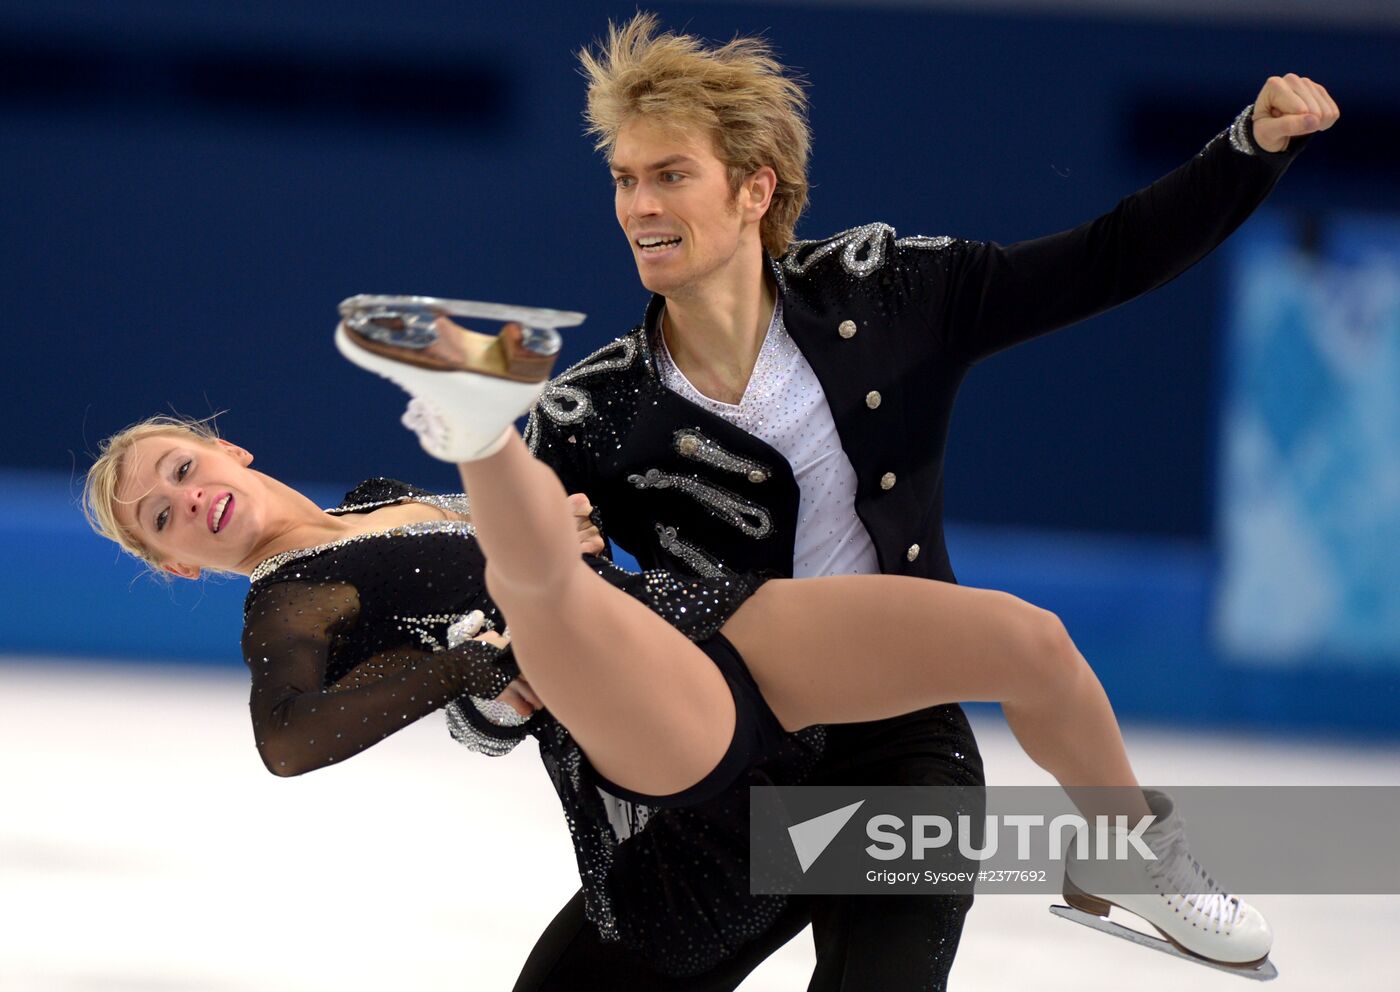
(738, 93)
(100, 485)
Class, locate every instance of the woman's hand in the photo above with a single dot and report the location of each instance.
(521, 698)
(590, 540)
(518, 694)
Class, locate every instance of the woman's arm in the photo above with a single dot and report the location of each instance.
(301, 724)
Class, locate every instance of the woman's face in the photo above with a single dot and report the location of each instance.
(192, 504)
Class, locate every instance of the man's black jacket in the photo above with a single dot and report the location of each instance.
(890, 326)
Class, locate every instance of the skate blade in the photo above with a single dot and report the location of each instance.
(1264, 971)
(529, 316)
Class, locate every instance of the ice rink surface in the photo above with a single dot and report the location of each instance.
(143, 848)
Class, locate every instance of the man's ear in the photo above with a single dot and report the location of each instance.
(182, 570)
(242, 455)
(759, 187)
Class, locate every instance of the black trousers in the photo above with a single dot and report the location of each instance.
(893, 943)
(864, 943)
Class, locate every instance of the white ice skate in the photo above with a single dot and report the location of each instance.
(467, 388)
(1199, 921)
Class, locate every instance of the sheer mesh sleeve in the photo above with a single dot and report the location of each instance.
(305, 715)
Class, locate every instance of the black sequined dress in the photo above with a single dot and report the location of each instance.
(351, 641)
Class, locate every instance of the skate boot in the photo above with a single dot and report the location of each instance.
(467, 388)
(1175, 895)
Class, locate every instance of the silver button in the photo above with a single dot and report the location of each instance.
(688, 444)
(758, 475)
(872, 399)
(887, 480)
(847, 329)
(912, 553)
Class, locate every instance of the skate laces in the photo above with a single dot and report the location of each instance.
(1185, 877)
(425, 421)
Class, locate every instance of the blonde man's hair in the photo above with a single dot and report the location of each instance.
(100, 485)
(739, 94)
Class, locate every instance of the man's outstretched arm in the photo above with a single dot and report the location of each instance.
(984, 297)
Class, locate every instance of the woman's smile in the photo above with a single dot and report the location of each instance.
(220, 512)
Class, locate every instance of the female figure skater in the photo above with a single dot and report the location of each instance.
(660, 692)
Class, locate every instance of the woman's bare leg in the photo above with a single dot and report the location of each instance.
(852, 648)
(649, 709)
(653, 713)
(645, 704)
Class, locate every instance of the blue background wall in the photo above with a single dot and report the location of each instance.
(189, 189)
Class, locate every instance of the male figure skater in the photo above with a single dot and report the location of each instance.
(784, 404)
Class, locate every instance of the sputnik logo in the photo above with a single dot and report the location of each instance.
(811, 837)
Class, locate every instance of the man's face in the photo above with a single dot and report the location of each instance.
(673, 202)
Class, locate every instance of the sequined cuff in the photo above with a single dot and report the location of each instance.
(471, 728)
(1241, 133)
(498, 713)
(1241, 137)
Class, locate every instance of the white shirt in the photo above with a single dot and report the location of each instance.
(784, 405)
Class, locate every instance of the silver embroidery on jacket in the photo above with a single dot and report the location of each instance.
(532, 432)
(862, 250)
(924, 241)
(701, 563)
(690, 443)
(565, 403)
(750, 518)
